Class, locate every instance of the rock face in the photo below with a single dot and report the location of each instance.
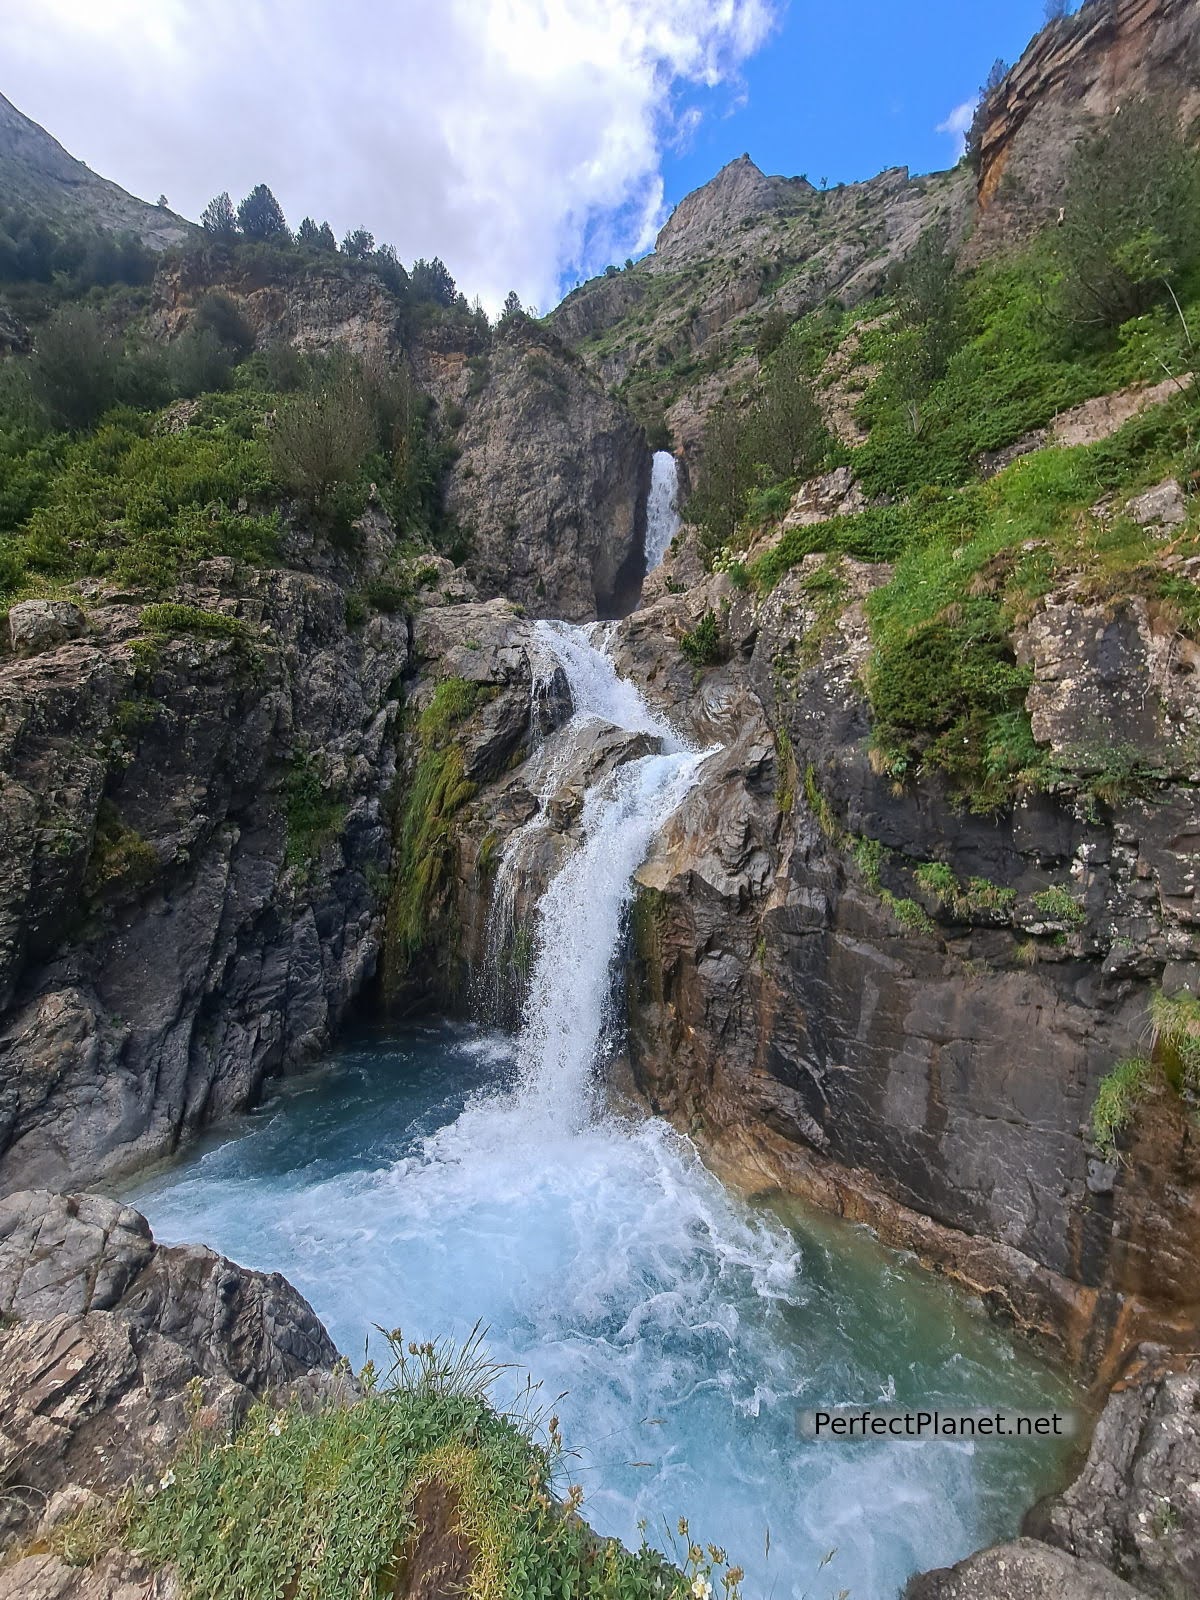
(193, 836)
(1078, 71)
(924, 1064)
(740, 250)
(1129, 1525)
(115, 1344)
(550, 483)
(318, 309)
(37, 172)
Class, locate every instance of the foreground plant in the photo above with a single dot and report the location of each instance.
(327, 1503)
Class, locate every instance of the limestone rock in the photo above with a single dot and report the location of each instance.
(1164, 505)
(1077, 71)
(154, 798)
(1135, 1506)
(36, 625)
(550, 483)
(1022, 1570)
(111, 1335)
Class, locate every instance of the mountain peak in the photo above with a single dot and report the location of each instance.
(38, 174)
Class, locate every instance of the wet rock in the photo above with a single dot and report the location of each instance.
(36, 625)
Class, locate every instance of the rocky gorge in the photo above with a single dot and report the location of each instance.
(235, 818)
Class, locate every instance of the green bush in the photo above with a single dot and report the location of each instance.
(314, 813)
(1057, 904)
(175, 619)
(702, 645)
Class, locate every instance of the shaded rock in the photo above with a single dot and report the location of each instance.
(1135, 1507)
(1022, 1570)
(167, 938)
(118, 1345)
(35, 625)
(550, 483)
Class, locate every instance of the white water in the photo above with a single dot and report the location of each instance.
(662, 508)
(440, 1177)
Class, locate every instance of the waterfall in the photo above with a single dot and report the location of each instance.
(443, 1175)
(568, 1017)
(662, 508)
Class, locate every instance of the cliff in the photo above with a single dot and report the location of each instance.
(38, 175)
(1076, 74)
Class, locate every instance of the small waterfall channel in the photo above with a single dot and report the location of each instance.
(440, 1174)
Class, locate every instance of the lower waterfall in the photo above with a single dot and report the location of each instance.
(438, 1175)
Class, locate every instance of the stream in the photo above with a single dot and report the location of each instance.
(436, 1176)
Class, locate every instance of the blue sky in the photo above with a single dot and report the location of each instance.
(843, 90)
(527, 142)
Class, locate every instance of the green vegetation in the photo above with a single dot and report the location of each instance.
(1120, 1093)
(122, 861)
(314, 813)
(1175, 1020)
(175, 619)
(326, 1504)
(702, 645)
(423, 846)
(1057, 904)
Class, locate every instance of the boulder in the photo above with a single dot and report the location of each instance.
(37, 625)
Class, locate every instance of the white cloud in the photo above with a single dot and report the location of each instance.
(519, 139)
(958, 125)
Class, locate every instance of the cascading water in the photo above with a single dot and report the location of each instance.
(662, 508)
(441, 1176)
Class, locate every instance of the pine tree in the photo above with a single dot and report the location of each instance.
(358, 244)
(260, 216)
(219, 217)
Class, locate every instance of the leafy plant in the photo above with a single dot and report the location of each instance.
(1057, 904)
(702, 644)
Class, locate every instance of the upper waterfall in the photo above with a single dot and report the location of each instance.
(662, 508)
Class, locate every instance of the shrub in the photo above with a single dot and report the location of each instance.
(174, 619)
(702, 644)
(1131, 220)
(75, 367)
(313, 813)
(320, 1503)
(1175, 1020)
(323, 438)
(1117, 1098)
(1057, 904)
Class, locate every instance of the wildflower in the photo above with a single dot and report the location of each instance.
(168, 1478)
(701, 1588)
(275, 1427)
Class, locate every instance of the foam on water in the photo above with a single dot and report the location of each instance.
(440, 1177)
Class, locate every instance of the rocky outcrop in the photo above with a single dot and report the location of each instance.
(317, 306)
(193, 847)
(115, 1347)
(1077, 71)
(802, 1003)
(678, 329)
(37, 173)
(1128, 1526)
(702, 223)
(549, 483)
